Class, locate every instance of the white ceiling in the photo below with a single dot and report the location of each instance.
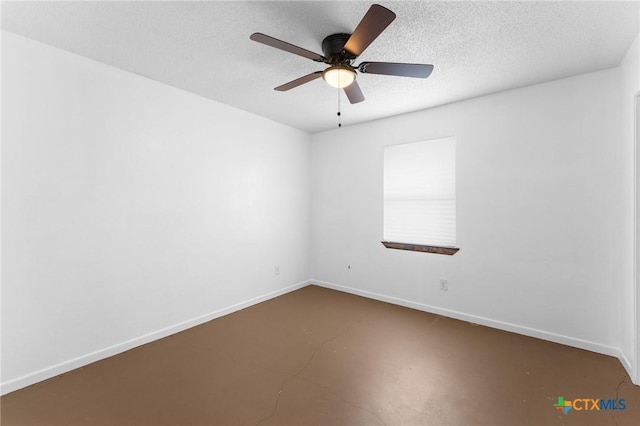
(203, 47)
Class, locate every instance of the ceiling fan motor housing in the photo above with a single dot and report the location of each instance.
(333, 49)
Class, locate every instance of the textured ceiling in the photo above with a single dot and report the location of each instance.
(203, 47)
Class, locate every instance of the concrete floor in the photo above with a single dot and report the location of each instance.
(320, 357)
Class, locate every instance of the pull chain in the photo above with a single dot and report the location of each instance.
(339, 114)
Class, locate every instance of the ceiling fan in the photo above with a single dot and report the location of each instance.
(340, 51)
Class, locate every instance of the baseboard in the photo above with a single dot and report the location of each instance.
(501, 325)
(63, 367)
(627, 365)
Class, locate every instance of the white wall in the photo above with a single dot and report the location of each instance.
(131, 210)
(538, 229)
(630, 318)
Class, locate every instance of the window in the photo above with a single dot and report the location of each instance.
(420, 196)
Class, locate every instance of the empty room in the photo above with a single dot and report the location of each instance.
(320, 213)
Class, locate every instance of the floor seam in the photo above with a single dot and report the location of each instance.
(307, 364)
(613, 413)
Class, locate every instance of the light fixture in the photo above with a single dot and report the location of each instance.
(339, 76)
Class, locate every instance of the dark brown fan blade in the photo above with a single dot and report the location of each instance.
(372, 24)
(392, 68)
(354, 93)
(287, 47)
(299, 81)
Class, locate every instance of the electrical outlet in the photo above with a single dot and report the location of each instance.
(276, 270)
(444, 285)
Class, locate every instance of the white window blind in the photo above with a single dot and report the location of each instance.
(420, 193)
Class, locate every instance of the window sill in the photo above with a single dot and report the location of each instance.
(449, 251)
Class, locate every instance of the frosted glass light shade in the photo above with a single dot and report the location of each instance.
(339, 76)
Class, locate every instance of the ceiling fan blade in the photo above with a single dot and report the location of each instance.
(287, 47)
(354, 93)
(372, 24)
(299, 81)
(393, 68)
